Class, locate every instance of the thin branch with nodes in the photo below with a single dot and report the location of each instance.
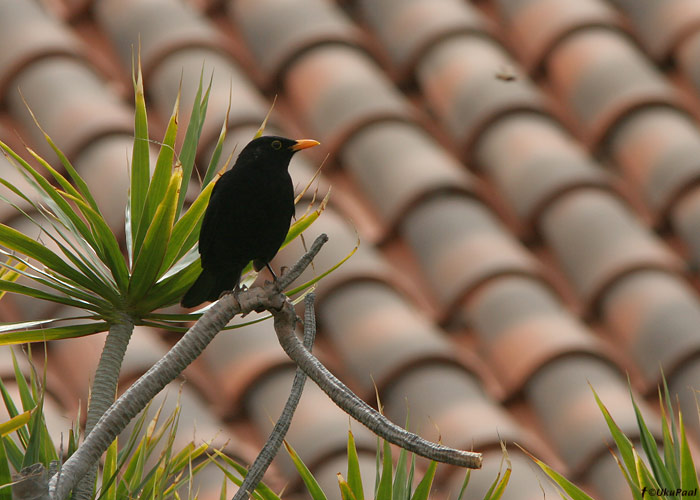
(274, 442)
(270, 296)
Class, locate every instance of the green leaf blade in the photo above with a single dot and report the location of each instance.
(309, 480)
(140, 159)
(155, 243)
(423, 489)
(55, 333)
(188, 152)
(161, 175)
(354, 480)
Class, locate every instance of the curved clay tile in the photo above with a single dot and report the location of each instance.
(602, 77)
(460, 245)
(658, 150)
(533, 161)
(661, 25)
(337, 90)
(459, 79)
(279, 31)
(398, 164)
(536, 27)
(409, 29)
(71, 102)
(32, 35)
(158, 27)
(521, 326)
(598, 240)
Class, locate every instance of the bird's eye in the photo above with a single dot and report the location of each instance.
(276, 144)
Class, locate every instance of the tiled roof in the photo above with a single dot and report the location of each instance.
(523, 175)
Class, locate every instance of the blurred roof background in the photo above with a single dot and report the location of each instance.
(523, 176)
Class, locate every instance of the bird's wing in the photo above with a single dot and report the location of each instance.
(207, 233)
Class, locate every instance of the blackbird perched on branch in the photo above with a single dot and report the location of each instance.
(248, 216)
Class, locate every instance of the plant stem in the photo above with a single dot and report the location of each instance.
(104, 389)
(186, 350)
(272, 446)
(351, 404)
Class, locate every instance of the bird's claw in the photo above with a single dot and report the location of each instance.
(235, 292)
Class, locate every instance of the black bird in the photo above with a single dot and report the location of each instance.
(248, 216)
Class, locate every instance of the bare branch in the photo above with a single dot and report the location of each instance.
(115, 419)
(272, 446)
(361, 411)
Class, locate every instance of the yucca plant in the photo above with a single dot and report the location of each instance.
(145, 466)
(668, 474)
(88, 270)
(392, 482)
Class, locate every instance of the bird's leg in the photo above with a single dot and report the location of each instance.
(269, 268)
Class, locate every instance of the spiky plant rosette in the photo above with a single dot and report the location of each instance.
(85, 267)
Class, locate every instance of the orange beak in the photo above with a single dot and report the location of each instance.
(304, 144)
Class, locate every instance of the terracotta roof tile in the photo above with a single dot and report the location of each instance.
(661, 25)
(644, 303)
(365, 264)
(152, 22)
(279, 31)
(685, 378)
(560, 396)
(380, 154)
(337, 90)
(316, 416)
(687, 59)
(460, 245)
(181, 71)
(597, 240)
(440, 399)
(536, 27)
(686, 220)
(532, 161)
(409, 29)
(379, 336)
(658, 150)
(76, 109)
(605, 477)
(601, 77)
(459, 79)
(105, 158)
(521, 326)
(33, 35)
(239, 358)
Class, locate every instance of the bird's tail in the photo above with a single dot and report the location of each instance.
(209, 286)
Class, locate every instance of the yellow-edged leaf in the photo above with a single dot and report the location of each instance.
(47, 191)
(77, 179)
(12, 287)
(188, 151)
(161, 175)
(140, 161)
(14, 240)
(9, 274)
(261, 129)
(55, 333)
(107, 245)
(155, 243)
(170, 290)
(186, 230)
(15, 423)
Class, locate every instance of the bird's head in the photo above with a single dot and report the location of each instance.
(272, 149)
